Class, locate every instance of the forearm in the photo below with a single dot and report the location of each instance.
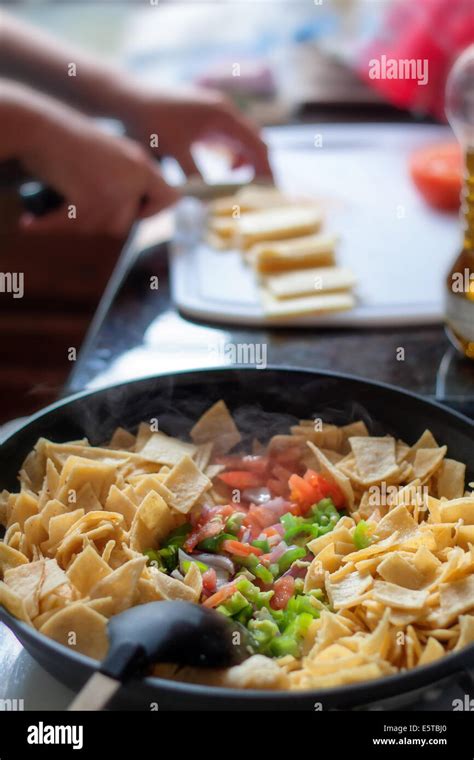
(40, 61)
(27, 119)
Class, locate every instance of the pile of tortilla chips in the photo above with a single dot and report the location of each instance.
(400, 586)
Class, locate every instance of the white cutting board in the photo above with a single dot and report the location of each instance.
(398, 248)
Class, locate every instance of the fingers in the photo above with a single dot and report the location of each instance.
(109, 209)
(235, 129)
(55, 221)
(158, 196)
(187, 163)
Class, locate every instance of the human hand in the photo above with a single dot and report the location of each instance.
(108, 181)
(190, 116)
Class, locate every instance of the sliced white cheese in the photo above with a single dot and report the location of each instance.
(283, 307)
(309, 281)
(276, 224)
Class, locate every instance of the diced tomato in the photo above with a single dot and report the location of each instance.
(208, 530)
(221, 595)
(324, 488)
(226, 511)
(312, 488)
(240, 549)
(241, 479)
(209, 580)
(301, 491)
(284, 589)
(256, 464)
(437, 173)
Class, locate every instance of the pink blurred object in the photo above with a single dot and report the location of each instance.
(431, 31)
(243, 78)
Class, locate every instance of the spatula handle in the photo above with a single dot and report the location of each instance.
(96, 693)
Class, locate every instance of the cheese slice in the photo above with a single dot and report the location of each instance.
(249, 198)
(276, 224)
(285, 307)
(223, 228)
(309, 281)
(295, 253)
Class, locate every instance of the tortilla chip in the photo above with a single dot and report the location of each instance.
(10, 558)
(457, 509)
(193, 579)
(153, 521)
(425, 441)
(13, 603)
(25, 581)
(427, 461)
(374, 457)
(118, 501)
(164, 449)
(217, 426)
(187, 484)
(399, 596)
(400, 570)
(121, 584)
(450, 479)
(466, 632)
(122, 439)
(86, 499)
(87, 570)
(203, 454)
(455, 598)
(333, 474)
(348, 592)
(432, 651)
(78, 470)
(79, 628)
(25, 505)
(172, 588)
(54, 578)
(146, 483)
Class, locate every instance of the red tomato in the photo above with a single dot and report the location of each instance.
(437, 173)
(241, 479)
(284, 589)
(312, 488)
(301, 491)
(324, 488)
(208, 530)
(209, 580)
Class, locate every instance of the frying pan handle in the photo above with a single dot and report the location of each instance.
(38, 199)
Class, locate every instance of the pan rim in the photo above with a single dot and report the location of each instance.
(397, 683)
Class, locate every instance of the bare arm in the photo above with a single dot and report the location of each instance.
(177, 119)
(110, 181)
(34, 58)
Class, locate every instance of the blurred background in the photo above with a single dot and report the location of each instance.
(300, 61)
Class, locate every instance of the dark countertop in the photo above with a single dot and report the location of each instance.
(139, 332)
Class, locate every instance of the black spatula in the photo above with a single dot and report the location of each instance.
(174, 632)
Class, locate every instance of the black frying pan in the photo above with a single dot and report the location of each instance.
(264, 402)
